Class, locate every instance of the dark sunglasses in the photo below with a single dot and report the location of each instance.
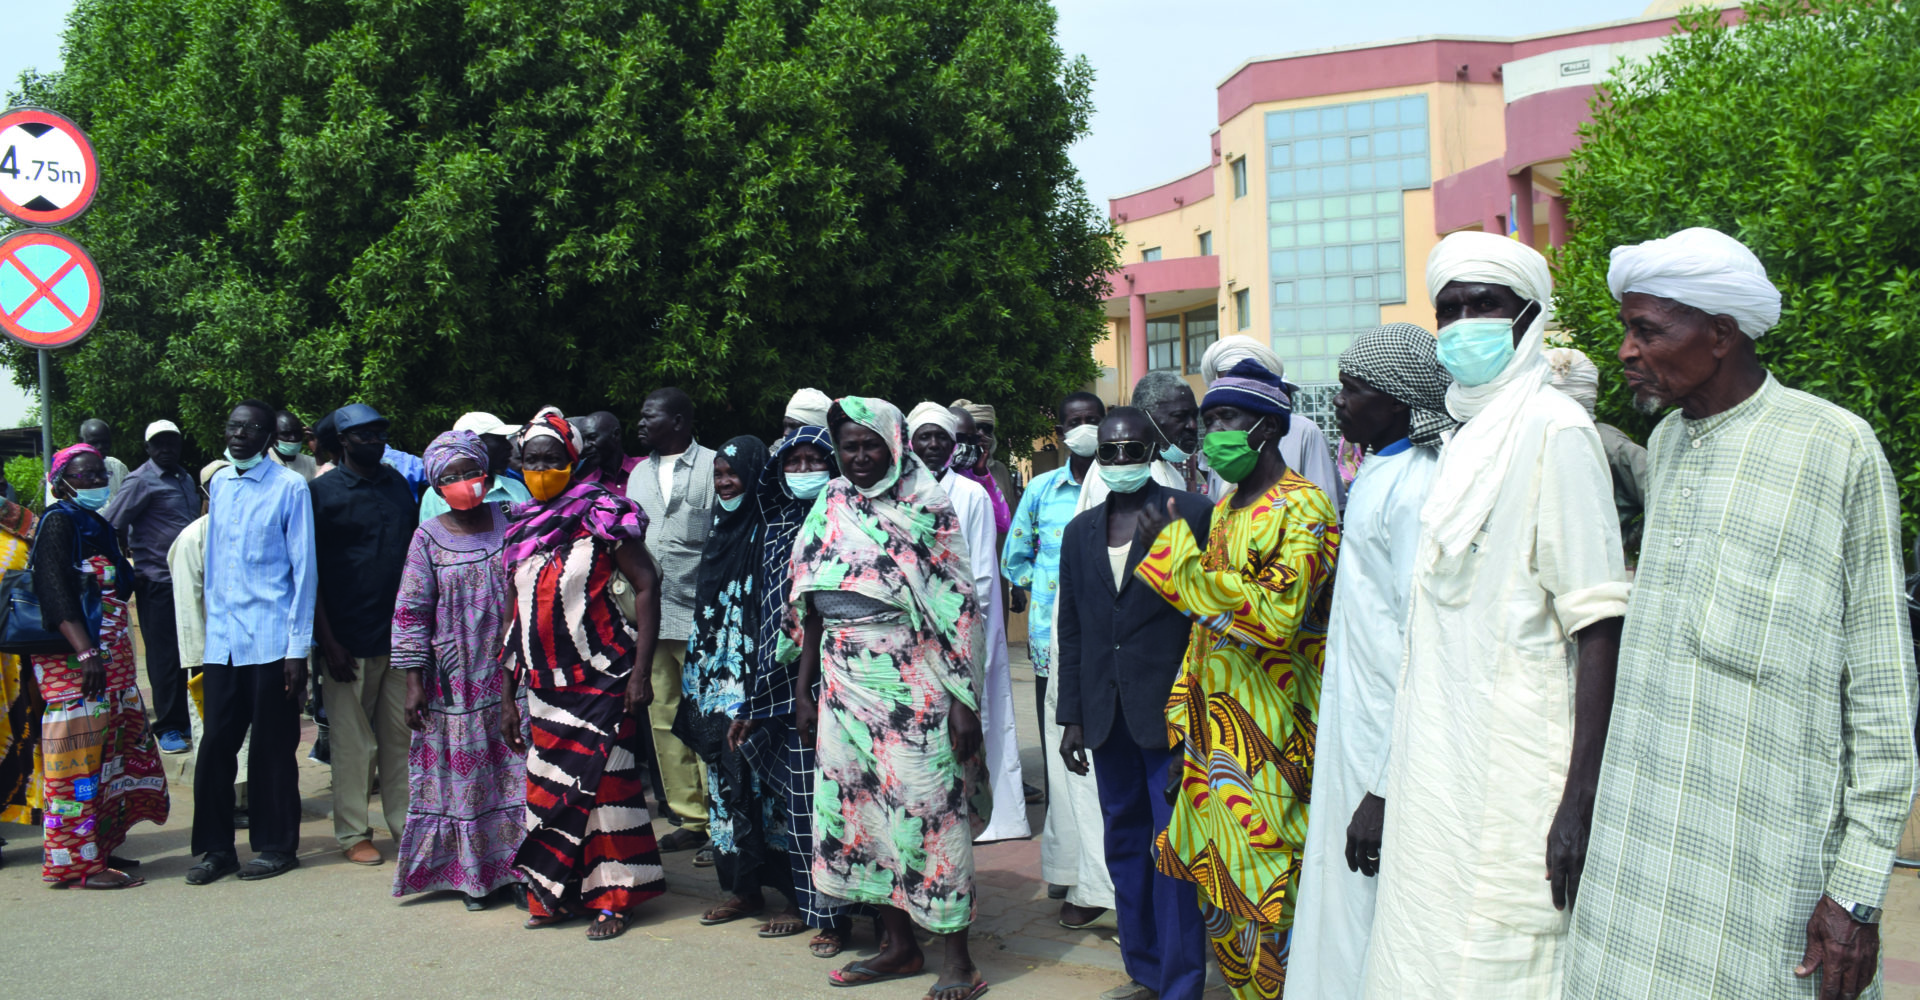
(1124, 452)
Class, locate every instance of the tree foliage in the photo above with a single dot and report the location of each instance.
(448, 205)
(1798, 133)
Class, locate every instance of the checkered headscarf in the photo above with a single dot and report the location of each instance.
(1399, 360)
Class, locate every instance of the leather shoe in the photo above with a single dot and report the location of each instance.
(363, 853)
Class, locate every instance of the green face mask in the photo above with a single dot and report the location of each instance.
(1230, 454)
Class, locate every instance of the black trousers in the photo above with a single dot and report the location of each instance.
(1040, 712)
(236, 698)
(164, 673)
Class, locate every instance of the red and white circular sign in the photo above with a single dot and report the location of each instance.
(50, 289)
(48, 172)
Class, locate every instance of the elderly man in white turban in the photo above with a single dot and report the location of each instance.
(933, 432)
(1761, 761)
(1305, 447)
(1576, 376)
(807, 408)
(1512, 630)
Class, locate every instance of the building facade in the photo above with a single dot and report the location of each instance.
(1333, 173)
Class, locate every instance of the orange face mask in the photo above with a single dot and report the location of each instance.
(465, 494)
(545, 484)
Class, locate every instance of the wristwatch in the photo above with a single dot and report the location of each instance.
(87, 655)
(1859, 911)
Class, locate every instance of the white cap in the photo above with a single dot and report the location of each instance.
(484, 423)
(160, 427)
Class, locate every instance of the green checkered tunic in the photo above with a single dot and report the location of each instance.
(1761, 750)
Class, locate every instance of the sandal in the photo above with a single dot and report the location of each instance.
(607, 918)
(87, 881)
(979, 988)
(867, 975)
(828, 944)
(536, 922)
(784, 925)
(730, 911)
(215, 866)
(267, 866)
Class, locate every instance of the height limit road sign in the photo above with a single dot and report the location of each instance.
(48, 172)
(50, 292)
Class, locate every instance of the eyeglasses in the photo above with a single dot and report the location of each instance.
(1124, 452)
(236, 427)
(456, 477)
(366, 435)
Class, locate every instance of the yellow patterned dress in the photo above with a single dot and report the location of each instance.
(1243, 712)
(19, 718)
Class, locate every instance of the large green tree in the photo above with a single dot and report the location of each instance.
(1798, 133)
(446, 205)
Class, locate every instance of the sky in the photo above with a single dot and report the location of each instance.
(1156, 64)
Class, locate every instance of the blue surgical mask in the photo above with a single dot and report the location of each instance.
(733, 504)
(240, 465)
(1173, 454)
(807, 485)
(1126, 478)
(1476, 350)
(93, 499)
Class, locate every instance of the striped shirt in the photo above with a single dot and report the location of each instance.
(1761, 749)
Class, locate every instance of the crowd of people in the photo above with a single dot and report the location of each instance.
(1406, 730)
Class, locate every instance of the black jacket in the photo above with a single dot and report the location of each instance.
(1119, 652)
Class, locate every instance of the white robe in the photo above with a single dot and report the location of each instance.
(1073, 847)
(1366, 638)
(975, 510)
(1483, 720)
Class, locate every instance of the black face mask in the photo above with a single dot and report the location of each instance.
(966, 453)
(366, 454)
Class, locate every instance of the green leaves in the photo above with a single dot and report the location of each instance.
(1799, 134)
(449, 205)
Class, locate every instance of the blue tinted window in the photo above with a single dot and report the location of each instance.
(1362, 229)
(1337, 317)
(1280, 211)
(1413, 110)
(1390, 256)
(1366, 314)
(1413, 140)
(1361, 175)
(1307, 152)
(1363, 257)
(1312, 319)
(1336, 259)
(1413, 172)
(1363, 287)
(1359, 116)
(1280, 184)
(1389, 226)
(1310, 233)
(1390, 289)
(1281, 262)
(1307, 181)
(1283, 293)
(1310, 261)
(1386, 144)
(1280, 156)
(1333, 178)
(1386, 114)
(1306, 122)
(1357, 147)
(1281, 237)
(1387, 201)
(1339, 290)
(1334, 119)
(1309, 209)
(1333, 150)
(1332, 208)
(1313, 343)
(1335, 231)
(1279, 125)
(1285, 321)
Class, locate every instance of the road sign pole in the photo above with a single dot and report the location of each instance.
(46, 412)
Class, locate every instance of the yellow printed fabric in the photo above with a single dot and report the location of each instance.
(1242, 713)
(19, 721)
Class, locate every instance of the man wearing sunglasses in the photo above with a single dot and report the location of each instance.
(364, 514)
(1121, 647)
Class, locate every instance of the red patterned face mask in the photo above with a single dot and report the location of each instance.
(465, 494)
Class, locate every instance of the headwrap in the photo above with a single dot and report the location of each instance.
(65, 457)
(207, 471)
(897, 542)
(1703, 268)
(770, 693)
(1250, 386)
(1575, 376)
(1473, 462)
(721, 652)
(1400, 360)
(810, 406)
(935, 414)
(1235, 348)
(451, 447)
(548, 423)
(980, 412)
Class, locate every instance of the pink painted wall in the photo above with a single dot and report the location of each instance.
(1470, 196)
(1541, 127)
(1165, 198)
(1177, 274)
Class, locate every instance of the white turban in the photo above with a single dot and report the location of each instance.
(810, 406)
(1703, 268)
(1488, 259)
(935, 414)
(1575, 375)
(1231, 350)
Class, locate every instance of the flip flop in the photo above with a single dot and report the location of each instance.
(980, 988)
(84, 883)
(726, 914)
(821, 942)
(619, 922)
(868, 976)
(262, 867)
(552, 920)
(794, 926)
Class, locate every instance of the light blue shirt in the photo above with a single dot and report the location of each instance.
(501, 490)
(261, 573)
(1031, 557)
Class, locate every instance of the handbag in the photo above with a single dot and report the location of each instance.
(22, 630)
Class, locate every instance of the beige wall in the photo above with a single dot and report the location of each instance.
(1176, 233)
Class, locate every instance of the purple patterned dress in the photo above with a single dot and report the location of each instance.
(465, 818)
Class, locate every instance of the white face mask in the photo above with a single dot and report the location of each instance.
(1084, 440)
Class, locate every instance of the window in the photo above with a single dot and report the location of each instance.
(1150, 254)
(1335, 221)
(1243, 309)
(1206, 244)
(1240, 177)
(1163, 344)
(1203, 328)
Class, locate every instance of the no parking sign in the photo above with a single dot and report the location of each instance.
(50, 292)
